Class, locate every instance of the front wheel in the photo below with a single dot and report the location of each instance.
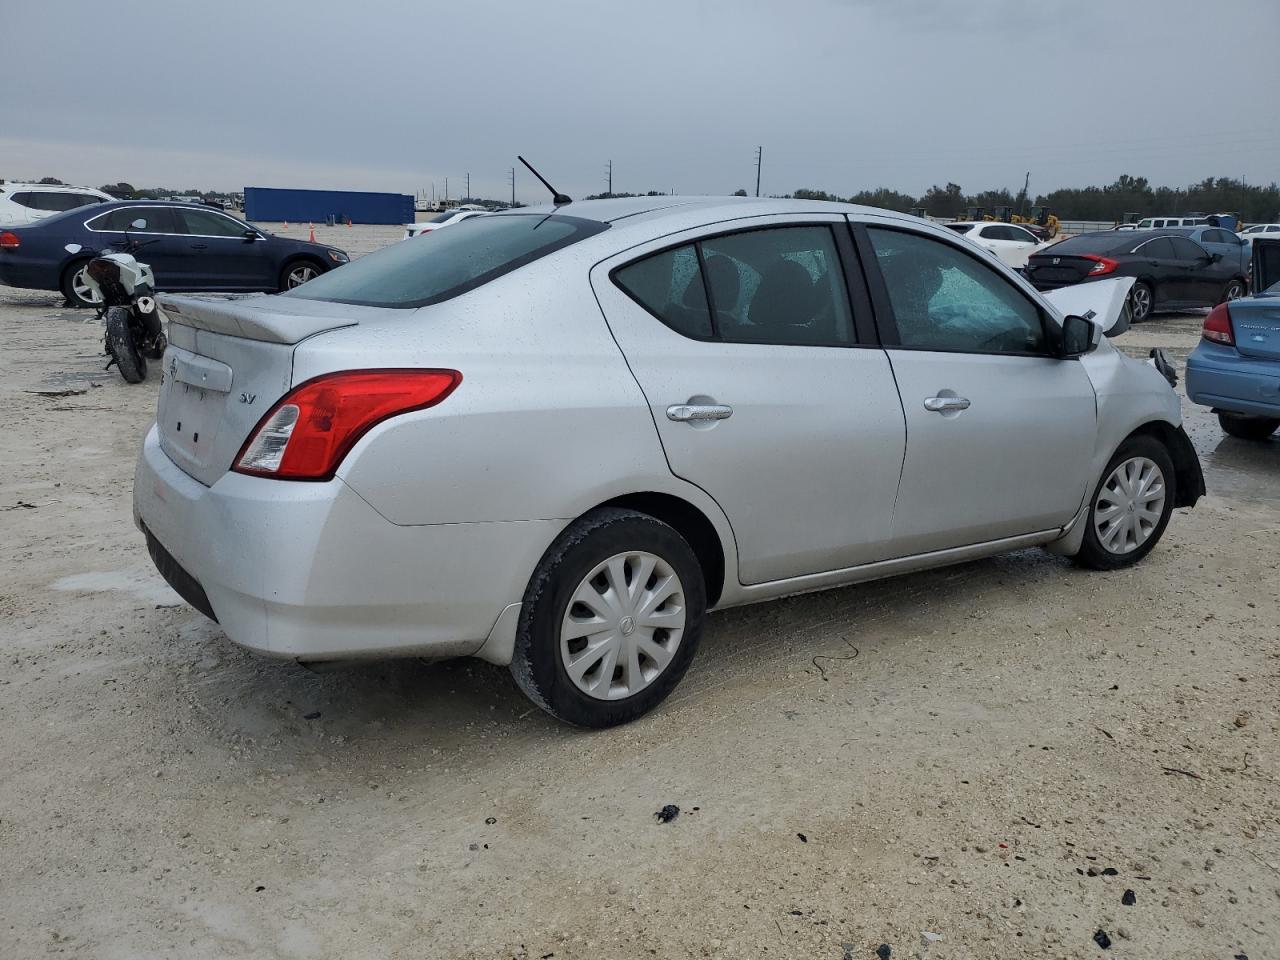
(120, 344)
(1248, 428)
(75, 286)
(297, 273)
(1232, 291)
(1141, 300)
(611, 619)
(1131, 506)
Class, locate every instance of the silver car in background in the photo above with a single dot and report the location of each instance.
(555, 438)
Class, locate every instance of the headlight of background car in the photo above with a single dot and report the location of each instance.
(337, 256)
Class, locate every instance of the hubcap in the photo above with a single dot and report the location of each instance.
(623, 625)
(1129, 505)
(300, 275)
(80, 285)
(1234, 292)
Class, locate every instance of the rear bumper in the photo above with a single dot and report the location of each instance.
(309, 571)
(16, 272)
(1218, 376)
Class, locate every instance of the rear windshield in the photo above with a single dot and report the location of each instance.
(446, 263)
(959, 227)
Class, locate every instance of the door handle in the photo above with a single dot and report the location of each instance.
(199, 246)
(945, 404)
(698, 412)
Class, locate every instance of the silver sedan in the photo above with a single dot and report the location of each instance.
(555, 438)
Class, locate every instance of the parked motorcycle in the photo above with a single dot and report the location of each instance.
(134, 321)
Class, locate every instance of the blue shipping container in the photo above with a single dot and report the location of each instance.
(272, 204)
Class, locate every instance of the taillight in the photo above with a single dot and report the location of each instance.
(9, 241)
(1101, 265)
(1217, 326)
(308, 432)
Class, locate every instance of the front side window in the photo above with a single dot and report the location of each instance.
(476, 251)
(1022, 236)
(204, 224)
(944, 299)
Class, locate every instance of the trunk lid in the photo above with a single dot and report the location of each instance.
(227, 362)
(1256, 324)
(1102, 301)
(1060, 269)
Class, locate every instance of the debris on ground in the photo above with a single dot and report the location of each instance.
(883, 951)
(1129, 898)
(668, 813)
(1102, 940)
(314, 715)
(491, 820)
(803, 838)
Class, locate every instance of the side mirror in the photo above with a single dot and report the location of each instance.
(251, 235)
(1215, 257)
(1079, 336)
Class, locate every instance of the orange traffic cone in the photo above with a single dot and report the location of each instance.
(313, 233)
(348, 221)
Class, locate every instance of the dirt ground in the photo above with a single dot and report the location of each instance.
(992, 754)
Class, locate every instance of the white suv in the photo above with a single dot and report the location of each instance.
(22, 203)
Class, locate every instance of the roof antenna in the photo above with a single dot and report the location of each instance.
(557, 197)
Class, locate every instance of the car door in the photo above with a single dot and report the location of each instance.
(220, 256)
(1159, 265)
(1000, 433)
(995, 237)
(765, 385)
(158, 242)
(1203, 279)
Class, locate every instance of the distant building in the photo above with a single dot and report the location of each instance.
(317, 206)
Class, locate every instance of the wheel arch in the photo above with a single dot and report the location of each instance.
(1188, 477)
(691, 523)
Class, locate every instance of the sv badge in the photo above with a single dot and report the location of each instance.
(248, 397)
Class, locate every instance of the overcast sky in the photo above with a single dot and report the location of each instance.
(842, 94)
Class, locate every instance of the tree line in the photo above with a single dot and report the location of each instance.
(1128, 195)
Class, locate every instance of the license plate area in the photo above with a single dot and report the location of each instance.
(192, 402)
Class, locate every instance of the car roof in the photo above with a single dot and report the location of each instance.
(709, 209)
(11, 185)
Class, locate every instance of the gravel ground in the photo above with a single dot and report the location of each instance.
(993, 753)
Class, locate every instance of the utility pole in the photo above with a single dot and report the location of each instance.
(468, 187)
(513, 186)
(759, 157)
(446, 191)
(609, 176)
(1025, 196)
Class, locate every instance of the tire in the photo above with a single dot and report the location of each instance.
(1248, 428)
(298, 272)
(1141, 300)
(603, 548)
(1131, 540)
(131, 364)
(71, 280)
(1233, 291)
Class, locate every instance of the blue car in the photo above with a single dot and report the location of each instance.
(1235, 369)
(188, 245)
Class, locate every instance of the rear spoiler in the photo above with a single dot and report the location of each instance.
(259, 317)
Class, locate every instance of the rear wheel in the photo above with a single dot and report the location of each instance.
(1130, 507)
(297, 273)
(1232, 291)
(75, 286)
(611, 619)
(131, 363)
(1141, 301)
(1248, 428)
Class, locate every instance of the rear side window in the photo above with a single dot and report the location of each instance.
(669, 285)
(447, 263)
(780, 285)
(155, 220)
(1184, 249)
(23, 199)
(1158, 249)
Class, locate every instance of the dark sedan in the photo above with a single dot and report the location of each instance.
(189, 246)
(1171, 271)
